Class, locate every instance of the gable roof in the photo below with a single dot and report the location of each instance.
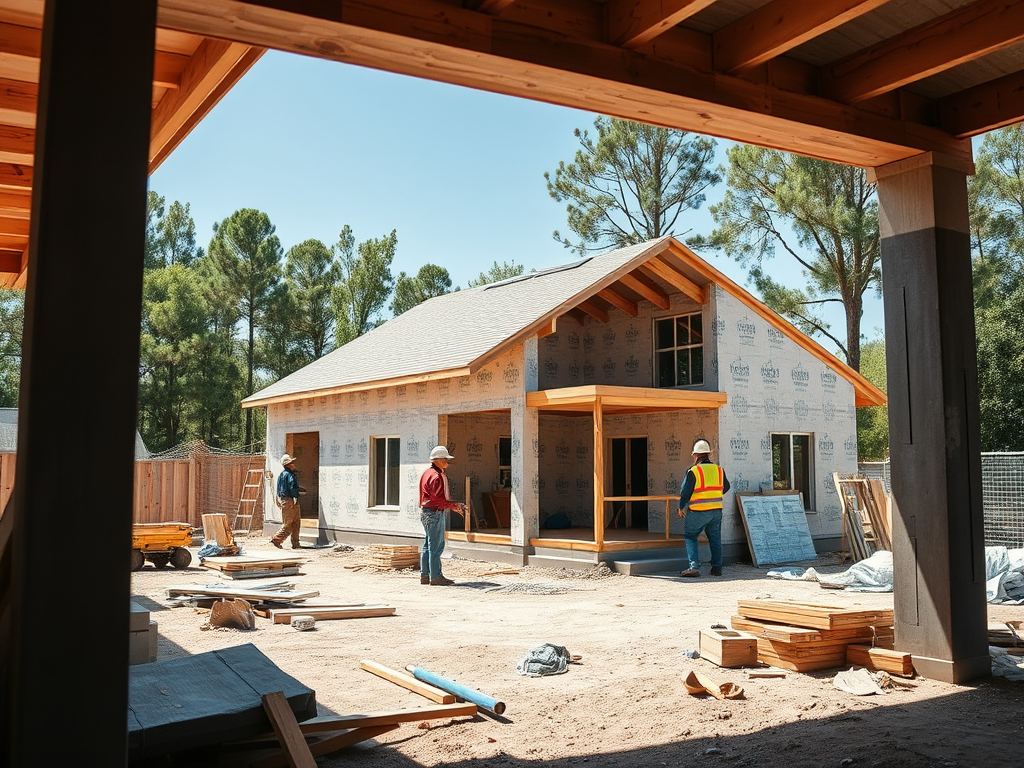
(456, 334)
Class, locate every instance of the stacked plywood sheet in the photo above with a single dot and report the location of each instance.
(806, 637)
(394, 556)
(254, 566)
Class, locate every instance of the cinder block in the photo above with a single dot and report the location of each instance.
(142, 646)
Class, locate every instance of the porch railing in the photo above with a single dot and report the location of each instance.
(599, 527)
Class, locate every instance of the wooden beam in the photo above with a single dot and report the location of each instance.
(594, 311)
(678, 280)
(17, 145)
(619, 302)
(986, 107)
(286, 727)
(215, 66)
(18, 102)
(631, 23)
(643, 285)
(447, 43)
(13, 226)
(780, 26)
(15, 203)
(25, 44)
(959, 36)
(598, 474)
(492, 7)
(392, 717)
(10, 262)
(548, 328)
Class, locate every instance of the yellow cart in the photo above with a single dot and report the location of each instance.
(161, 543)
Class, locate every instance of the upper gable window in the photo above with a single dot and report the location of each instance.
(679, 350)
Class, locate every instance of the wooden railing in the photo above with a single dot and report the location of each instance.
(667, 499)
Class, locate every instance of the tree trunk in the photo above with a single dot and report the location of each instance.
(854, 310)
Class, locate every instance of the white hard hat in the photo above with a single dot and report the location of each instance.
(701, 446)
(440, 452)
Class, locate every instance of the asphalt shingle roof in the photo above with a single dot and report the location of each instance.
(469, 324)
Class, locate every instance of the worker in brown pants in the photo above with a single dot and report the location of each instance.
(288, 492)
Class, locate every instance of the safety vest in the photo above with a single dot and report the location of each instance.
(707, 492)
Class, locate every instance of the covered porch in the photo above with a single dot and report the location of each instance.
(610, 527)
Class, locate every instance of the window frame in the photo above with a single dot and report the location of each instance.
(809, 498)
(676, 348)
(504, 470)
(393, 463)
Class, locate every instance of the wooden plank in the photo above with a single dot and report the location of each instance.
(598, 470)
(284, 616)
(261, 595)
(658, 268)
(286, 727)
(408, 682)
(263, 610)
(894, 662)
(371, 719)
(813, 616)
(647, 288)
(326, 746)
(619, 302)
(631, 23)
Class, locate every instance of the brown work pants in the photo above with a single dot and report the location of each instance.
(292, 516)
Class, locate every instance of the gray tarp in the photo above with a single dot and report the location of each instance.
(545, 659)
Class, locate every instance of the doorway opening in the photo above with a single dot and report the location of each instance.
(305, 448)
(627, 476)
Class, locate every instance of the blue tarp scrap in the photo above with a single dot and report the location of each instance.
(547, 659)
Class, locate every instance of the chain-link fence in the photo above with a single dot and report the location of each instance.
(1002, 492)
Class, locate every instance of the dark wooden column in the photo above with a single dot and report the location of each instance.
(68, 554)
(934, 438)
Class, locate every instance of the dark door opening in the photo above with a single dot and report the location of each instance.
(628, 478)
(305, 447)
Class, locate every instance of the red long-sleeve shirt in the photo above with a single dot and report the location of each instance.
(434, 493)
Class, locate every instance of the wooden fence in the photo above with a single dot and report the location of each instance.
(177, 490)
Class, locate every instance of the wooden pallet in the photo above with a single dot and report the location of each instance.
(251, 562)
(394, 556)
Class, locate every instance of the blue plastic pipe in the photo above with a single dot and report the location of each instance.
(480, 699)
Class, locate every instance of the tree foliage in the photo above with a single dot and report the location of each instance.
(430, 281)
(366, 283)
(497, 273)
(170, 233)
(996, 199)
(631, 183)
(822, 215)
(244, 257)
(12, 323)
(873, 422)
(312, 273)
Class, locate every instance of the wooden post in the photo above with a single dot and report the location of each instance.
(95, 102)
(668, 522)
(468, 498)
(598, 476)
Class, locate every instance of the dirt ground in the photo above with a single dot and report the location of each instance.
(623, 703)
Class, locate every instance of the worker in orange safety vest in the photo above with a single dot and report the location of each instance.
(700, 504)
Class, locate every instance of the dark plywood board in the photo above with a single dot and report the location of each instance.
(206, 699)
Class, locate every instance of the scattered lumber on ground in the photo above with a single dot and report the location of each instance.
(394, 556)
(409, 682)
(275, 593)
(321, 613)
(255, 566)
(806, 637)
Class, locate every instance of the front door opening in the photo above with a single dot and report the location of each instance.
(628, 478)
(305, 447)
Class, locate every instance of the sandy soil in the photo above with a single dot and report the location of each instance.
(623, 704)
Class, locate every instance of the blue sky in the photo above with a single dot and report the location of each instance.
(458, 173)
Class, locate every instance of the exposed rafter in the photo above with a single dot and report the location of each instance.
(780, 26)
(594, 311)
(17, 145)
(986, 107)
(631, 23)
(619, 302)
(548, 328)
(962, 35)
(644, 286)
(679, 281)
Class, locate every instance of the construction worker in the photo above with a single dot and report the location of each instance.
(700, 504)
(288, 492)
(435, 501)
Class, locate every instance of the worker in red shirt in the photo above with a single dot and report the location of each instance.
(435, 501)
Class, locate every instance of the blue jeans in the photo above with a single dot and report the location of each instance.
(709, 522)
(433, 544)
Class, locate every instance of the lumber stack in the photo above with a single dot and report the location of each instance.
(806, 637)
(394, 556)
(254, 566)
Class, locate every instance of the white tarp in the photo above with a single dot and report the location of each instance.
(1004, 575)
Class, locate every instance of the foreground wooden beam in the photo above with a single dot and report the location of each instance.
(443, 42)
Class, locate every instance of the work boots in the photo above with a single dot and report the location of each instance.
(441, 582)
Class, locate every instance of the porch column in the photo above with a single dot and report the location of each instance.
(934, 436)
(80, 376)
(598, 475)
(525, 454)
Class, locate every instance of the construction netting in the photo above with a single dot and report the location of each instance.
(191, 480)
(1002, 492)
